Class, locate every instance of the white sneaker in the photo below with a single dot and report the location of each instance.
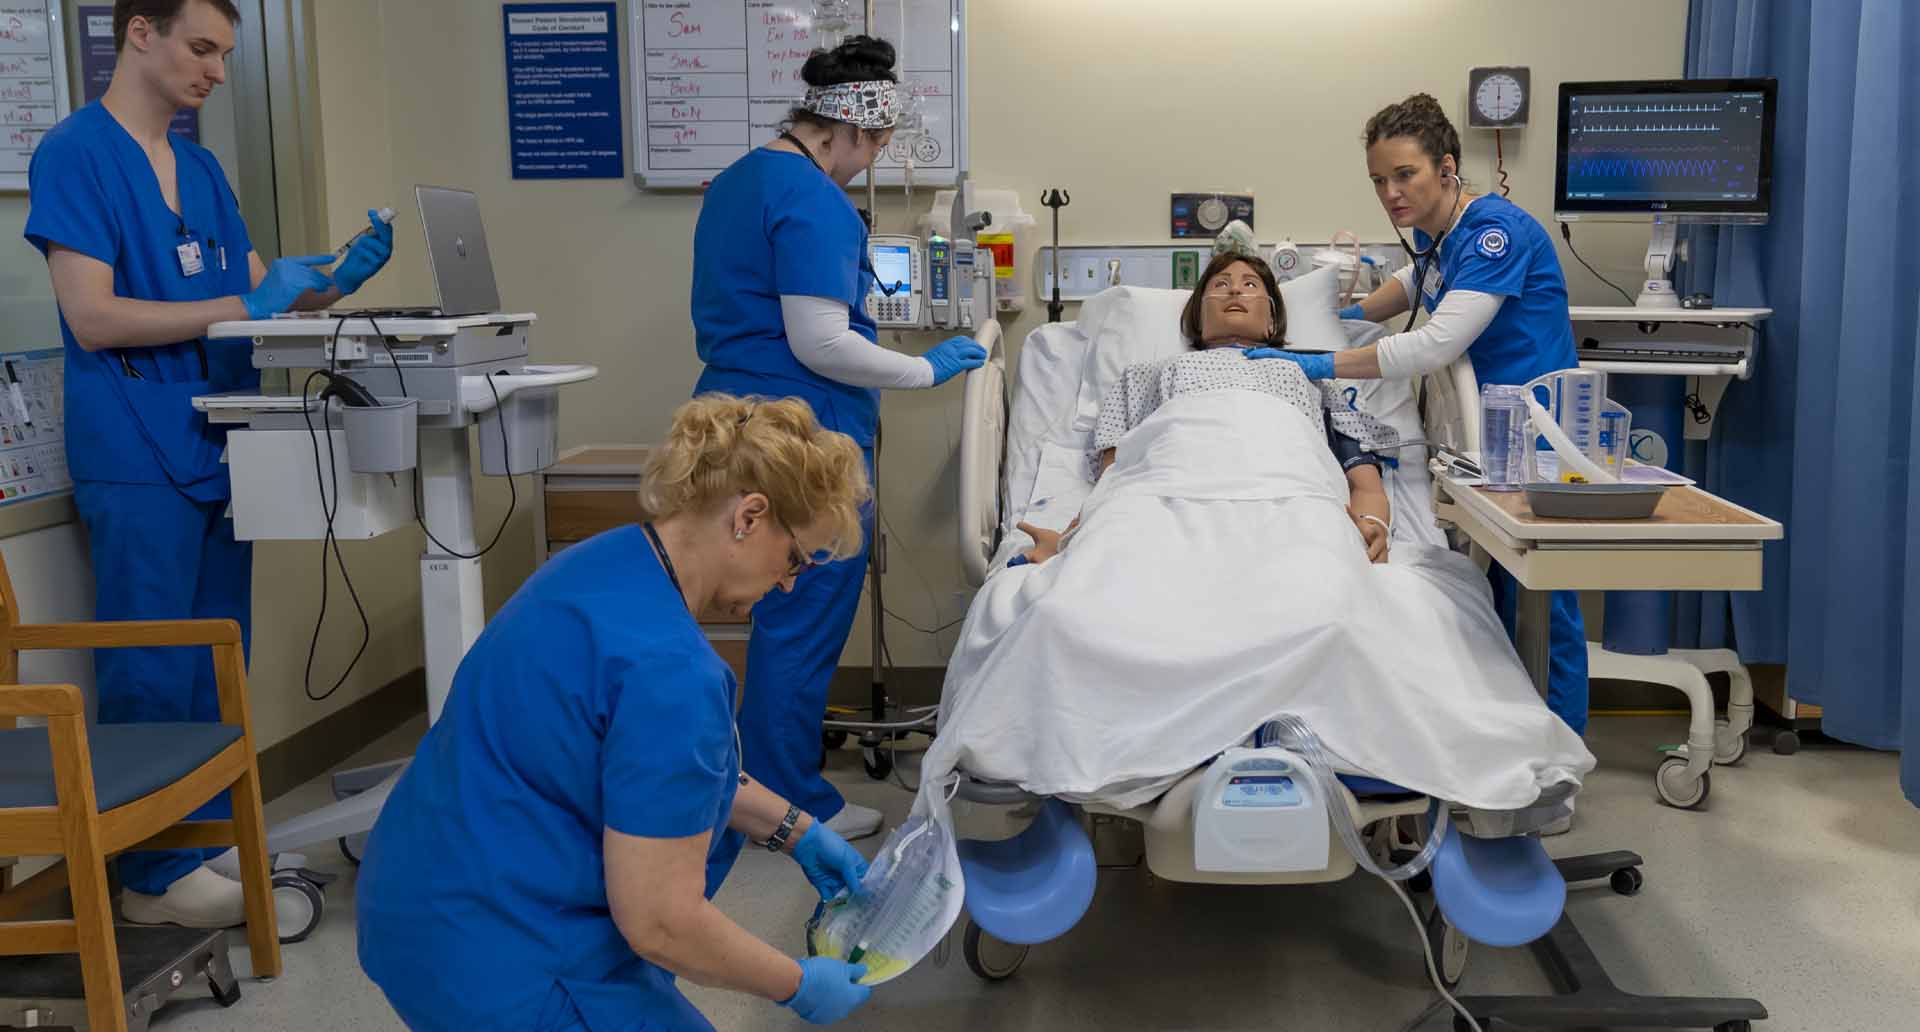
(856, 822)
(202, 899)
(227, 864)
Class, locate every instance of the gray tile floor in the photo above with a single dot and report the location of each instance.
(1800, 885)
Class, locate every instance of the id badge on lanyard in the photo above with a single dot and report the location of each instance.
(1431, 285)
(192, 261)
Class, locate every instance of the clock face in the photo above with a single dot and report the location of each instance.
(1499, 97)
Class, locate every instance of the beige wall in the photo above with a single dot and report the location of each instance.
(1111, 99)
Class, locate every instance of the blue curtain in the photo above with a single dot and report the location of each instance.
(1824, 435)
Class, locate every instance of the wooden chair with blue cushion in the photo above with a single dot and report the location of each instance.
(87, 793)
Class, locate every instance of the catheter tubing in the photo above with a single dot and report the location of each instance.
(1292, 733)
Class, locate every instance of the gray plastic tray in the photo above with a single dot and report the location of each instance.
(1594, 501)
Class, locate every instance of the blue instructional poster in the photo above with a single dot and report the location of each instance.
(98, 57)
(563, 90)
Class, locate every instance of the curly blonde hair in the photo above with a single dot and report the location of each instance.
(722, 446)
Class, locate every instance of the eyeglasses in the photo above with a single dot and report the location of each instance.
(797, 561)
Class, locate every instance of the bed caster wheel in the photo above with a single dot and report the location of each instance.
(879, 764)
(1672, 783)
(1728, 747)
(1787, 742)
(1740, 1025)
(299, 904)
(988, 957)
(833, 739)
(1627, 881)
(353, 847)
(1450, 948)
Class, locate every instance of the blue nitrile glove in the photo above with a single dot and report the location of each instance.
(1352, 311)
(830, 863)
(1317, 367)
(954, 356)
(829, 990)
(368, 255)
(286, 280)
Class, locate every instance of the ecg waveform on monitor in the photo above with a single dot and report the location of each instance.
(1642, 168)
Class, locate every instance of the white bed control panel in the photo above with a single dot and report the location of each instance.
(1259, 811)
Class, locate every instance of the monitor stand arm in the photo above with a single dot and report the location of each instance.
(1662, 251)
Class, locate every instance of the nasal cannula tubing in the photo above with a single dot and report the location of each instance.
(386, 218)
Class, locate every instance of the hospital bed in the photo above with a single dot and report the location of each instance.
(1019, 456)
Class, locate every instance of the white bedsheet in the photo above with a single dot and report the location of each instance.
(1216, 581)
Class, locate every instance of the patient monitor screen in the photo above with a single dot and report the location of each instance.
(892, 269)
(1674, 149)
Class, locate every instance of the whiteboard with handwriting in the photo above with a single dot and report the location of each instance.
(713, 79)
(33, 83)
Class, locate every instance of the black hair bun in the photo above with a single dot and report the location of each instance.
(859, 59)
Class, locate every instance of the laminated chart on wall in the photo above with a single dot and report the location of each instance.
(33, 448)
(33, 83)
(713, 79)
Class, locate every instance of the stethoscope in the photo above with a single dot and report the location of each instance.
(1431, 253)
(885, 290)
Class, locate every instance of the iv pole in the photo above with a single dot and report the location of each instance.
(879, 763)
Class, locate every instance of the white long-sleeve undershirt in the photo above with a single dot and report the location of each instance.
(1457, 321)
(822, 338)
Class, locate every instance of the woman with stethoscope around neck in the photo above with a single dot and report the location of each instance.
(780, 280)
(1490, 280)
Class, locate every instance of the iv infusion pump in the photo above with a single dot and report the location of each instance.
(920, 285)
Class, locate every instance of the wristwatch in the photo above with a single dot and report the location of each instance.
(778, 840)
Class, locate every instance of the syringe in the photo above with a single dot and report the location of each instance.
(386, 218)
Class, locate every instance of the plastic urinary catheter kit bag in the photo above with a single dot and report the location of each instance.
(908, 901)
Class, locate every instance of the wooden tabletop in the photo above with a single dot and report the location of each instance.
(602, 459)
(1684, 514)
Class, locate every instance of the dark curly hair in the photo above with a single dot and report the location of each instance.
(1421, 118)
(859, 59)
(1190, 316)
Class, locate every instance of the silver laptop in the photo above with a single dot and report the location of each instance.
(457, 251)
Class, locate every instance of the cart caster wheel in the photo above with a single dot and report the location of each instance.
(879, 764)
(299, 905)
(353, 847)
(1671, 782)
(991, 959)
(1741, 1025)
(1728, 747)
(833, 739)
(1449, 947)
(1627, 881)
(1786, 743)
(1422, 882)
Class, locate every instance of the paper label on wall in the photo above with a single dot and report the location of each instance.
(563, 90)
(714, 79)
(33, 447)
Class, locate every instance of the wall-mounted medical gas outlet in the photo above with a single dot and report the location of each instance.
(1205, 214)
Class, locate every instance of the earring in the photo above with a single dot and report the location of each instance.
(739, 535)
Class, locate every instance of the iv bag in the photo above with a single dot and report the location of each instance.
(906, 904)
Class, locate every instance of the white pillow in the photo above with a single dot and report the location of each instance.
(1126, 325)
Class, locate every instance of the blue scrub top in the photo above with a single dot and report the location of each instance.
(774, 224)
(92, 190)
(591, 701)
(1497, 248)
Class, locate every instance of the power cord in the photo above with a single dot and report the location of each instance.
(513, 492)
(1566, 233)
(329, 543)
(1500, 165)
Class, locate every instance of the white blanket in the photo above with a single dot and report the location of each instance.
(1216, 581)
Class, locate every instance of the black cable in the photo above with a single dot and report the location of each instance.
(329, 543)
(1500, 164)
(1566, 233)
(513, 493)
(943, 627)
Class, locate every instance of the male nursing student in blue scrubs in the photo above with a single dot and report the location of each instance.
(548, 861)
(1489, 277)
(146, 247)
(780, 278)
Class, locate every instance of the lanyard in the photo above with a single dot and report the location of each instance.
(666, 563)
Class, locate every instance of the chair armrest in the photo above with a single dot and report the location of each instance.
(41, 700)
(124, 634)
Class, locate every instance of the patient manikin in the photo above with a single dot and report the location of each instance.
(1239, 307)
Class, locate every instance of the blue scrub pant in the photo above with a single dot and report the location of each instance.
(159, 555)
(1567, 647)
(797, 640)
